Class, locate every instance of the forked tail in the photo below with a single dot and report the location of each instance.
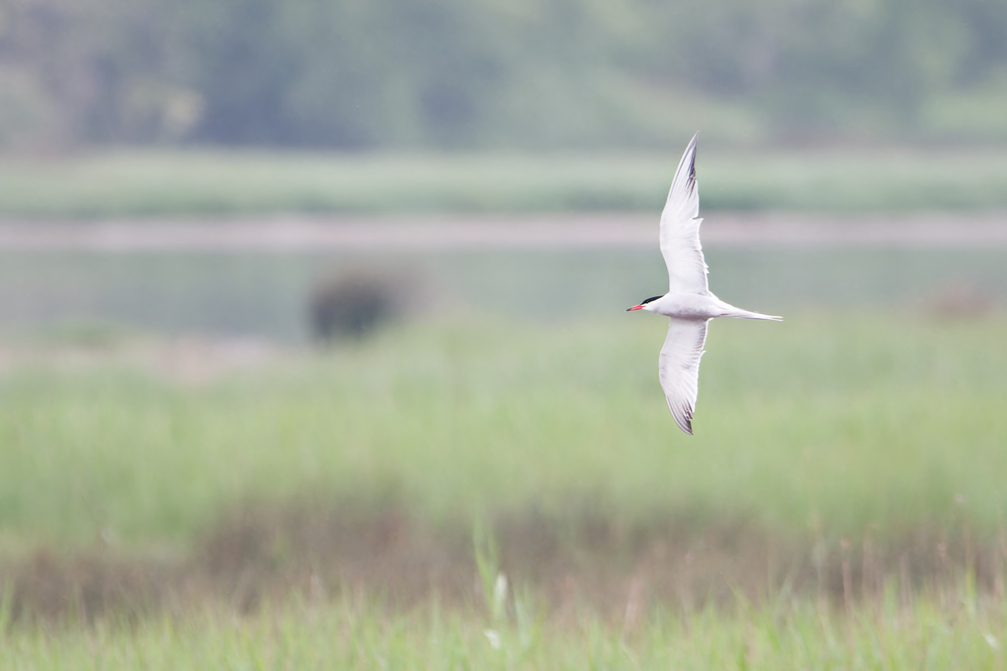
(738, 313)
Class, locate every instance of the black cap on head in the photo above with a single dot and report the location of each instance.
(642, 303)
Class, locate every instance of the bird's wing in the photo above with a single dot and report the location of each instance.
(678, 368)
(680, 229)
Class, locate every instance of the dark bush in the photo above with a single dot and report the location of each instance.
(353, 304)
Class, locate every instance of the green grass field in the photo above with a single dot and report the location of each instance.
(350, 636)
(846, 480)
(201, 182)
(837, 421)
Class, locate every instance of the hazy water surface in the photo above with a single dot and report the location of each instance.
(265, 294)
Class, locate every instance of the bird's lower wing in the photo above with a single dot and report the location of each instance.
(679, 368)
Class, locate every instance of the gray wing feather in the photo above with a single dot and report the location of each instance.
(678, 368)
(683, 254)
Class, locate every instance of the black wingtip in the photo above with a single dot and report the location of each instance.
(683, 420)
(688, 420)
(687, 166)
(694, 146)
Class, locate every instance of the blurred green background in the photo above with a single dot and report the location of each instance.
(500, 74)
(265, 295)
(171, 406)
(255, 113)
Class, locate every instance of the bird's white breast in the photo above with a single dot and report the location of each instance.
(687, 306)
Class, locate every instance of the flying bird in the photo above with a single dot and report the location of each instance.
(688, 303)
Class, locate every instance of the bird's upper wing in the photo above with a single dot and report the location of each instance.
(679, 368)
(680, 229)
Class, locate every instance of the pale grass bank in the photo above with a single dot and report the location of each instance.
(939, 631)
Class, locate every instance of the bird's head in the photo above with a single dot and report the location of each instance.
(645, 304)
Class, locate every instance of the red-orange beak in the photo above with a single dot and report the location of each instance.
(635, 307)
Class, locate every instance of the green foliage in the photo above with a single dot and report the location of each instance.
(163, 183)
(356, 74)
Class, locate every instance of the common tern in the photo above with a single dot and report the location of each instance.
(689, 302)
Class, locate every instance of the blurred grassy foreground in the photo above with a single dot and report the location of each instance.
(824, 423)
(198, 182)
(352, 636)
(846, 480)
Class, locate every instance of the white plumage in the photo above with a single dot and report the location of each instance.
(688, 303)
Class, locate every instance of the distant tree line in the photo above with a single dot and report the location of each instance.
(362, 74)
